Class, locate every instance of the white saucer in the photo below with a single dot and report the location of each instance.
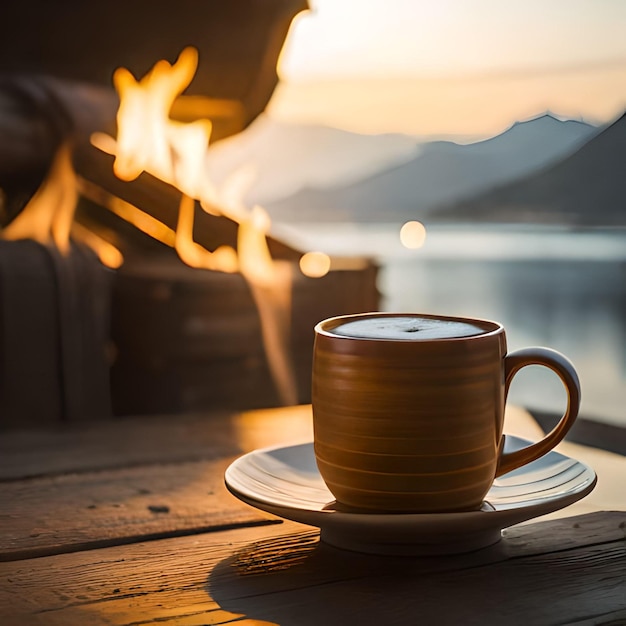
(285, 481)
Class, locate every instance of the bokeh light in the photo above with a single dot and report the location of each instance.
(413, 235)
(315, 264)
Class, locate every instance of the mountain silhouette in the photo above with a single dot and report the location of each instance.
(441, 174)
(586, 189)
(283, 158)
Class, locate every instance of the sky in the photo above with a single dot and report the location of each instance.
(451, 67)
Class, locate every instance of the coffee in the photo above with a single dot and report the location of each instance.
(406, 327)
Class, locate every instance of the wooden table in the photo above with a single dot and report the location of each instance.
(129, 522)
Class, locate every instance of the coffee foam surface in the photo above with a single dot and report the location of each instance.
(406, 328)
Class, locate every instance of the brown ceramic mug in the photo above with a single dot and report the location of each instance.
(408, 410)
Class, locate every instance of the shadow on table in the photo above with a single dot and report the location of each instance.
(296, 580)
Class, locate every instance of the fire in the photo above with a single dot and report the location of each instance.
(48, 215)
(149, 141)
(108, 254)
(128, 212)
(256, 263)
(193, 254)
(48, 218)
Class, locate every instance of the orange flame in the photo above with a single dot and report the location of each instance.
(48, 215)
(108, 254)
(193, 254)
(148, 140)
(48, 218)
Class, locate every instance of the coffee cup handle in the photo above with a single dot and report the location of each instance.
(564, 369)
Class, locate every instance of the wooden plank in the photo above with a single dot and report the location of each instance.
(74, 512)
(109, 483)
(114, 443)
(129, 442)
(132, 441)
(549, 573)
(564, 534)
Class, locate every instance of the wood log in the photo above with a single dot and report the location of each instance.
(200, 345)
(190, 339)
(54, 313)
(38, 113)
(160, 200)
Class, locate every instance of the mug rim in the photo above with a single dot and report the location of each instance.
(321, 328)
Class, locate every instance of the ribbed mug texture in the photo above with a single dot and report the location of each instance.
(409, 425)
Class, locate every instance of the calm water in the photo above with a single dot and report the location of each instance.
(548, 287)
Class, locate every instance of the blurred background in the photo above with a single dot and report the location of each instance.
(499, 127)
(464, 157)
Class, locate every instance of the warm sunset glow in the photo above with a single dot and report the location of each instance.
(467, 68)
(413, 235)
(450, 108)
(315, 264)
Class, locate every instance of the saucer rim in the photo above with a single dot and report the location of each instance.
(528, 511)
